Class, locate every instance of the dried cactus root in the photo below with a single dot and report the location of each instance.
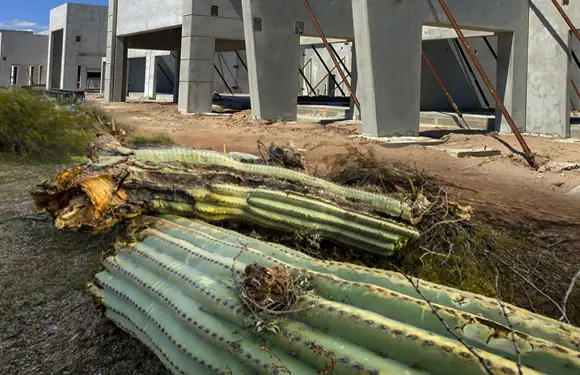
(183, 276)
(214, 187)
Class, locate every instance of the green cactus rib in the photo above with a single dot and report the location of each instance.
(184, 268)
(91, 197)
(124, 276)
(283, 211)
(476, 331)
(381, 203)
(522, 320)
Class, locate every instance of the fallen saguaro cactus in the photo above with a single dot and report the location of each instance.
(121, 183)
(178, 287)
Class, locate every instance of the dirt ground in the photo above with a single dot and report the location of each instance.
(47, 323)
(503, 182)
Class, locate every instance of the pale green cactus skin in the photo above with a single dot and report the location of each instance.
(381, 203)
(174, 290)
(289, 212)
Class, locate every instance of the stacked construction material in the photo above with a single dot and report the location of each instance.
(122, 183)
(176, 287)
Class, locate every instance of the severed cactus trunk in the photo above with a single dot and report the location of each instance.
(176, 288)
(125, 183)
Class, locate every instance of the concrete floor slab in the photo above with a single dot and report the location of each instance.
(480, 153)
(402, 141)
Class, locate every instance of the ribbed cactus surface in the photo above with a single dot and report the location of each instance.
(215, 187)
(176, 288)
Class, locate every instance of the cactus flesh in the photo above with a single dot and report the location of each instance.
(176, 288)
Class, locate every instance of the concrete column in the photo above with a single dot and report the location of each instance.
(512, 52)
(83, 77)
(190, 89)
(388, 36)
(150, 76)
(103, 70)
(354, 82)
(70, 57)
(273, 53)
(109, 91)
(116, 78)
(194, 72)
(548, 100)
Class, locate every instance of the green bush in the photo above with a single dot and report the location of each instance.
(34, 126)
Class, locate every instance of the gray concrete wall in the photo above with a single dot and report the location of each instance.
(317, 74)
(84, 42)
(454, 71)
(25, 50)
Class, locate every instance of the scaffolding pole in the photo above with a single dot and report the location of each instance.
(526, 149)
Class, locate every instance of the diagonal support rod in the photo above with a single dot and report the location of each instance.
(328, 70)
(332, 55)
(307, 81)
(526, 149)
(442, 85)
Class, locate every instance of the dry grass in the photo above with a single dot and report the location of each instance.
(466, 254)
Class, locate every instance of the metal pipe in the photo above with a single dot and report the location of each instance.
(566, 19)
(328, 69)
(490, 47)
(442, 85)
(575, 87)
(526, 149)
(223, 79)
(342, 75)
(573, 55)
(241, 60)
(341, 60)
(307, 82)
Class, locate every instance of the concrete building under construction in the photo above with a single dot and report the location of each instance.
(524, 47)
(22, 58)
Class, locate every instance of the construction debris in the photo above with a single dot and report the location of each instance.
(558, 167)
(480, 153)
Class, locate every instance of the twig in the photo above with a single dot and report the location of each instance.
(457, 337)
(504, 312)
(245, 298)
(531, 284)
(568, 292)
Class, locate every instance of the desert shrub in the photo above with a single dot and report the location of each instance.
(36, 127)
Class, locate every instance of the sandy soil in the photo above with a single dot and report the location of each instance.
(504, 182)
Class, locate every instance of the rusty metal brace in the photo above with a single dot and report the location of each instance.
(331, 53)
(526, 149)
(442, 85)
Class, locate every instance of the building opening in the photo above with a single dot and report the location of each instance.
(13, 75)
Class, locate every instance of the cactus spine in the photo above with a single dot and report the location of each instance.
(179, 275)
